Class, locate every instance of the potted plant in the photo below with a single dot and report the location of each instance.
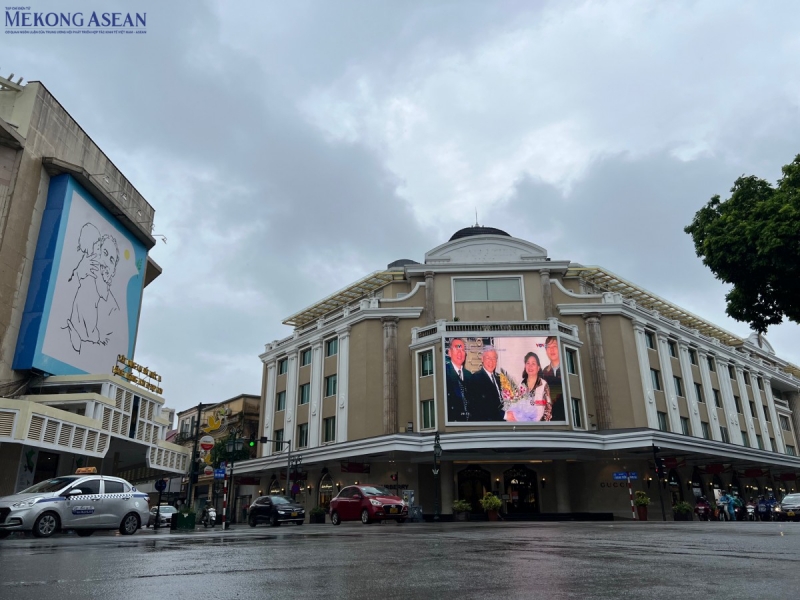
(682, 511)
(316, 515)
(641, 500)
(491, 504)
(461, 510)
(185, 519)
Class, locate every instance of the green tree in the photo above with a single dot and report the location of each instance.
(219, 453)
(752, 241)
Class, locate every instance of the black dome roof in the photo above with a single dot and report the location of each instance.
(477, 230)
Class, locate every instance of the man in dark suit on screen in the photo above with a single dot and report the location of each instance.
(552, 375)
(457, 380)
(485, 401)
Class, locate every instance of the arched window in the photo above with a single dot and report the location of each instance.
(326, 491)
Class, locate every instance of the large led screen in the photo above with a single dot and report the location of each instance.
(82, 308)
(504, 380)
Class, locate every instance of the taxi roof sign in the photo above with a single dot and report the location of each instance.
(86, 471)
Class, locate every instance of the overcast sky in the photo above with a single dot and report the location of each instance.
(290, 148)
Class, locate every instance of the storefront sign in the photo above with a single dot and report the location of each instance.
(623, 476)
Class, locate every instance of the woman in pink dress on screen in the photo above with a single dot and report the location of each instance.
(535, 404)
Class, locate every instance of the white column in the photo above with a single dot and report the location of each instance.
(343, 377)
(669, 385)
(780, 445)
(708, 392)
(644, 370)
(269, 406)
(315, 408)
(762, 422)
(292, 373)
(731, 415)
(688, 384)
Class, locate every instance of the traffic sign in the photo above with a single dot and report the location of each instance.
(223, 465)
(209, 470)
(219, 473)
(206, 442)
(161, 485)
(622, 476)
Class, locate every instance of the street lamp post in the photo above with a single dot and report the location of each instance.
(437, 453)
(295, 461)
(232, 446)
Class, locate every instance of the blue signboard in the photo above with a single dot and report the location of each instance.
(161, 485)
(623, 476)
(219, 473)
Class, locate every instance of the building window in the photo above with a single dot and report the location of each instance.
(329, 430)
(305, 393)
(784, 423)
(662, 420)
(731, 372)
(487, 290)
(278, 438)
(717, 399)
(576, 412)
(698, 390)
(330, 385)
(710, 363)
(650, 339)
(428, 415)
(673, 349)
(305, 357)
(738, 402)
(571, 362)
(692, 356)
(760, 442)
(302, 435)
(426, 363)
(776, 394)
(656, 377)
(760, 383)
(745, 439)
(280, 401)
(706, 430)
(753, 412)
(746, 378)
(283, 366)
(791, 451)
(685, 425)
(332, 347)
(678, 385)
(766, 413)
(725, 437)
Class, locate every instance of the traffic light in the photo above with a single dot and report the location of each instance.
(253, 440)
(661, 468)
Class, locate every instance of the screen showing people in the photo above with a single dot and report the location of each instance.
(504, 379)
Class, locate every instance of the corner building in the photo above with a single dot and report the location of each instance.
(364, 383)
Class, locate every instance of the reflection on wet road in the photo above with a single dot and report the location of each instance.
(452, 560)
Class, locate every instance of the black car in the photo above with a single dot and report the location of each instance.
(275, 510)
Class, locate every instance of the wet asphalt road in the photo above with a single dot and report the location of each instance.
(449, 560)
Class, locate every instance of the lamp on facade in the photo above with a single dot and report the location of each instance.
(437, 453)
(544, 483)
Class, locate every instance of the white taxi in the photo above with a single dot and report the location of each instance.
(84, 502)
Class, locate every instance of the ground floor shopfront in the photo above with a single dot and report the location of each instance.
(537, 474)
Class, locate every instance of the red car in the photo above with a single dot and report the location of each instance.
(368, 503)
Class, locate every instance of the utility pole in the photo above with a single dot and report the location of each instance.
(660, 474)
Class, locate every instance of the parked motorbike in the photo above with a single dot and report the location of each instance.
(209, 517)
(751, 512)
(703, 510)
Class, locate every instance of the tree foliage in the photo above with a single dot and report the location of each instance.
(752, 241)
(219, 453)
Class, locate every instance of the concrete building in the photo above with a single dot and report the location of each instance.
(74, 241)
(367, 379)
(234, 418)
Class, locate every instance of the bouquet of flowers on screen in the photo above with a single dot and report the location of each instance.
(522, 404)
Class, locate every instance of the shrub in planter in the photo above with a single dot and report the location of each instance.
(183, 520)
(316, 515)
(641, 500)
(491, 504)
(461, 510)
(682, 511)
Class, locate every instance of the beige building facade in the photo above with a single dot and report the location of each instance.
(63, 325)
(367, 379)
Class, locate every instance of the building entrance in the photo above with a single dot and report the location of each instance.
(520, 485)
(473, 483)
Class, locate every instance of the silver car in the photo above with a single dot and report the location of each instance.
(84, 503)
